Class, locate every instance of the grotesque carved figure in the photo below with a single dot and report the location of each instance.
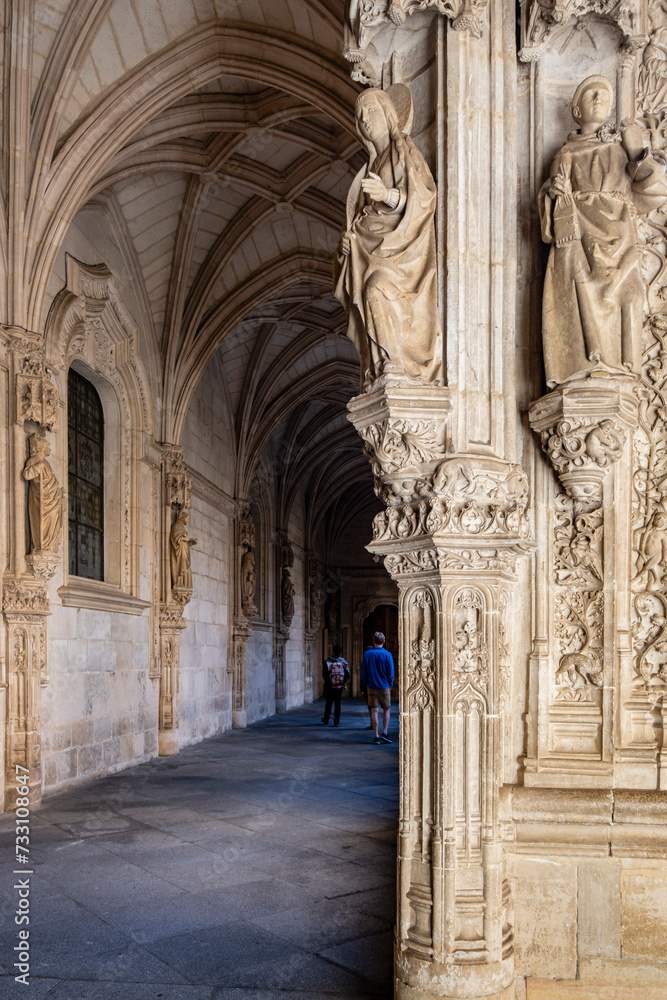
(653, 551)
(600, 179)
(44, 498)
(385, 268)
(181, 572)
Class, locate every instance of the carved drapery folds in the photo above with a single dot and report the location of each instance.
(247, 568)
(365, 18)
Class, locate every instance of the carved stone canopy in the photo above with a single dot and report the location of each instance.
(366, 17)
(541, 17)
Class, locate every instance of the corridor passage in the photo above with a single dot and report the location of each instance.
(258, 864)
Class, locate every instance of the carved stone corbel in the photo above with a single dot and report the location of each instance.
(583, 426)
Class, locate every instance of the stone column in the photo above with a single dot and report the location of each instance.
(450, 537)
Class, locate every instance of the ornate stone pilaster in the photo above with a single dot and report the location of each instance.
(314, 603)
(450, 537)
(240, 635)
(177, 494)
(25, 607)
(586, 426)
(279, 643)
(172, 624)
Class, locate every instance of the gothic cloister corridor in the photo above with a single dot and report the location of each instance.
(257, 864)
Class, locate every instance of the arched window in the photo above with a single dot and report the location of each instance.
(85, 448)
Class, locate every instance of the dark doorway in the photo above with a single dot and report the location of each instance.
(384, 619)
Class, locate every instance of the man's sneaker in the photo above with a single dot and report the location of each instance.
(377, 740)
(369, 727)
(325, 722)
(335, 723)
(384, 738)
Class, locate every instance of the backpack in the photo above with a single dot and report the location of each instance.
(336, 670)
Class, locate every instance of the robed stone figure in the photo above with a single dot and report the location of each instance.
(601, 179)
(180, 543)
(44, 498)
(385, 267)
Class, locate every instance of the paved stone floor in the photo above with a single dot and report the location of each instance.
(259, 864)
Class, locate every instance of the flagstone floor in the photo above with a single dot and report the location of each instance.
(259, 864)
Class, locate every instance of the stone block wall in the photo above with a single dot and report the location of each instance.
(99, 708)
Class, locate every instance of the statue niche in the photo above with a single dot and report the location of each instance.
(601, 178)
(385, 267)
(179, 544)
(44, 498)
(287, 592)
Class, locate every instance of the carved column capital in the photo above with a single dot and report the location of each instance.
(583, 426)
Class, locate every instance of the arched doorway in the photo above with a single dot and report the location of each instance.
(375, 615)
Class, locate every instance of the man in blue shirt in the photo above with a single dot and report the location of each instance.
(377, 676)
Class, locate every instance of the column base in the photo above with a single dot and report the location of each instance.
(167, 743)
(404, 992)
(281, 705)
(239, 720)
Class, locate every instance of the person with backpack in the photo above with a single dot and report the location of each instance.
(336, 674)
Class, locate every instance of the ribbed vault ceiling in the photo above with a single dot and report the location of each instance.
(228, 197)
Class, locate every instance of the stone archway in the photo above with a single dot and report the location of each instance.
(361, 613)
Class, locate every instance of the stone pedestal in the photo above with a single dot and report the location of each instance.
(172, 624)
(450, 537)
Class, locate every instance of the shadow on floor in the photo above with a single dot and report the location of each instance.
(260, 863)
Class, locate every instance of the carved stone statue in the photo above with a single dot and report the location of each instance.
(385, 267)
(287, 592)
(44, 498)
(181, 571)
(593, 294)
(248, 579)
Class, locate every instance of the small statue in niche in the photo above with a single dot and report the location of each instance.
(593, 292)
(44, 498)
(181, 570)
(385, 267)
(287, 592)
(248, 580)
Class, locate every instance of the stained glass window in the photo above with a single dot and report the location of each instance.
(85, 441)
